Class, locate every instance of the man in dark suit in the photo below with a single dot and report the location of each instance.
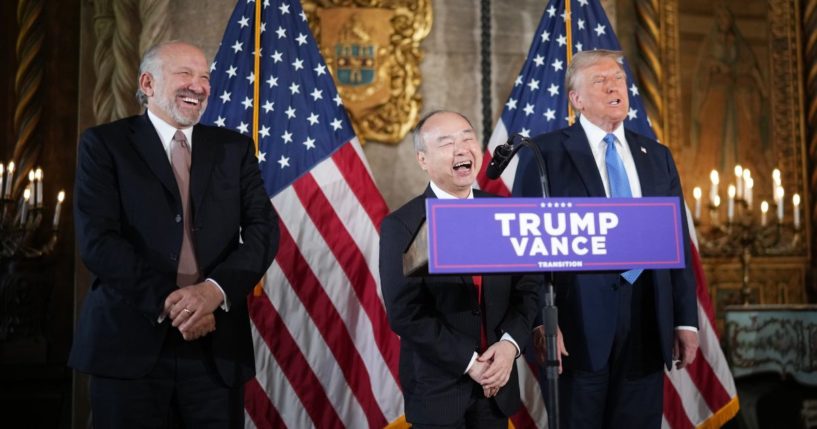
(460, 335)
(174, 224)
(619, 329)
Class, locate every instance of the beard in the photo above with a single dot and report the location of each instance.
(183, 118)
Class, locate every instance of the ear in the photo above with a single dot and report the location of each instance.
(422, 160)
(574, 99)
(147, 84)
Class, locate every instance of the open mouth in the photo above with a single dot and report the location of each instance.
(463, 166)
(191, 101)
(615, 102)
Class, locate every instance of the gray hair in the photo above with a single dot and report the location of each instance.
(151, 63)
(584, 59)
(417, 135)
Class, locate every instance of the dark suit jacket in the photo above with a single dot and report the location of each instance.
(129, 233)
(438, 320)
(587, 315)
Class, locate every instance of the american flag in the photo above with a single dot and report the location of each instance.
(701, 395)
(325, 356)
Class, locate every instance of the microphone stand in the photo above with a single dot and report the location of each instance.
(550, 314)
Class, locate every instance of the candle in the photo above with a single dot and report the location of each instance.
(9, 179)
(2, 178)
(713, 191)
(714, 213)
(780, 194)
(739, 181)
(764, 207)
(730, 203)
(38, 177)
(747, 192)
(776, 182)
(31, 186)
(795, 201)
(24, 209)
(697, 194)
(58, 208)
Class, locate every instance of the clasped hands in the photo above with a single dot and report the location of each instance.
(191, 308)
(492, 369)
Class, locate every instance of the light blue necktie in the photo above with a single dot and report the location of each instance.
(619, 186)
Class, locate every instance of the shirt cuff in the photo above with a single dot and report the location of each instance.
(686, 328)
(471, 363)
(225, 305)
(507, 337)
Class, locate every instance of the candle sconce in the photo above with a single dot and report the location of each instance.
(746, 232)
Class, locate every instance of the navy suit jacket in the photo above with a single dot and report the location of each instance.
(438, 320)
(129, 233)
(587, 315)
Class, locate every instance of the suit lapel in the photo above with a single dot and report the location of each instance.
(147, 143)
(641, 161)
(577, 146)
(204, 154)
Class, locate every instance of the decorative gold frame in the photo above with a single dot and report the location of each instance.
(372, 48)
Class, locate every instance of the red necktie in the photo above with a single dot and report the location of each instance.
(188, 271)
(483, 337)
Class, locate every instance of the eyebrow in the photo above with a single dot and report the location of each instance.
(451, 136)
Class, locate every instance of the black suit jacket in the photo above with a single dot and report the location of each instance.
(587, 316)
(438, 320)
(129, 233)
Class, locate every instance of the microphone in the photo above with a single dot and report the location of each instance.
(502, 157)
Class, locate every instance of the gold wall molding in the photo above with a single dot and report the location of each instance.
(372, 48)
(648, 64)
(810, 66)
(27, 87)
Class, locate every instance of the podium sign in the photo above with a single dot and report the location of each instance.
(555, 234)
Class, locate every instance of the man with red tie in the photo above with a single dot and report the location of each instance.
(173, 222)
(460, 335)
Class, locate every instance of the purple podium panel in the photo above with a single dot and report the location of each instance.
(555, 234)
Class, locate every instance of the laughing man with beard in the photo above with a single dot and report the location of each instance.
(459, 335)
(173, 221)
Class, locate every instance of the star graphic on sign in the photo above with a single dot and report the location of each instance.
(545, 36)
(237, 46)
(287, 136)
(225, 97)
(313, 119)
(524, 132)
(284, 161)
(553, 89)
(533, 84)
(290, 112)
(317, 94)
(539, 60)
(518, 81)
(281, 32)
(320, 69)
(262, 157)
(247, 103)
(599, 29)
(213, 67)
(242, 127)
(309, 143)
(528, 109)
(268, 106)
(272, 81)
(579, 47)
(550, 114)
(337, 124)
(284, 8)
(551, 11)
(219, 121)
(301, 39)
(580, 23)
(632, 114)
(244, 22)
(298, 64)
(277, 57)
(511, 104)
(557, 64)
(633, 90)
(562, 40)
(294, 88)
(251, 77)
(337, 100)
(264, 131)
(231, 71)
